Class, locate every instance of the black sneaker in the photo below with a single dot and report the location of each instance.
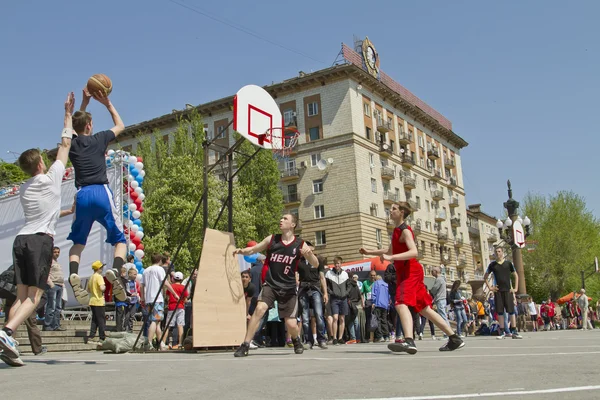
(298, 347)
(454, 343)
(323, 345)
(407, 346)
(242, 351)
(334, 342)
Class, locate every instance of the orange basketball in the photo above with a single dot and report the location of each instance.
(99, 82)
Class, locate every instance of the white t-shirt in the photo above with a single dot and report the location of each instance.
(532, 310)
(40, 199)
(151, 279)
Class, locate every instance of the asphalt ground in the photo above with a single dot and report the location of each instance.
(543, 365)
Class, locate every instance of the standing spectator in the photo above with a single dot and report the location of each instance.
(176, 314)
(121, 306)
(133, 298)
(56, 281)
(366, 292)
(438, 291)
(583, 303)
(381, 302)
(96, 288)
(459, 308)
(551, 312)
(356, 307)
(337, 286)
(533, 313)
(523, 315)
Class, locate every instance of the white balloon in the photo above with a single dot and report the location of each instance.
(136, 214)
(139, 166)
(139, 254)
(142, 197)
(132, 207)
(139, 190)
(131, 247)
(110, 152)
(134, 184)
(134, 227)
(142, 173)
(139, 235)
(132, 160)
(130, 178)
(130, 223)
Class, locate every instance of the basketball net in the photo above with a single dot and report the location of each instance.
(283, 140)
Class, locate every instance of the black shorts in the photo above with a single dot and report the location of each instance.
(287, 300)
(504, 301)
(32, 257)
(339, 306)
(533, 318)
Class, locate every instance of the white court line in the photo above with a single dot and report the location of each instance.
(494, 394)
(300, 358)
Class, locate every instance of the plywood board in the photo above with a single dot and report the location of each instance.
(219, 307)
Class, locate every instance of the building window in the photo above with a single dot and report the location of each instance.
(367, 109)
(373, 185)
(418, 202)
(420, 141)
(432, 248)
(390, 122)
(378, 236)
(221, 131)
(320, 238)
(371, 159)
(314, 159)
(428, 226)
(313, 133)
(374, 210)
(427, 206)
(392, 144)
(319, 212)
(313, 109)
(289, 117)
(290, 164)
(318, 186)
(368, 132)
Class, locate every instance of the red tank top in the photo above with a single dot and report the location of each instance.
(401, 247)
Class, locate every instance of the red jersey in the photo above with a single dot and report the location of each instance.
(181, 292)
(401, 247)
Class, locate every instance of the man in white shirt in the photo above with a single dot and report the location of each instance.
(151, 281)
(32, 248)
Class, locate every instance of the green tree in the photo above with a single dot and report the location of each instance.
(260, 177)
(567, 237)
(11, 173)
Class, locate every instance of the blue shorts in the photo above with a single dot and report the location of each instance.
(95, 204)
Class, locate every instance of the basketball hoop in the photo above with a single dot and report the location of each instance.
(283, 140)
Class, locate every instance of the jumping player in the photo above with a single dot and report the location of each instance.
(32, 248)
(283, 255)
(94, 197)
(410, 290)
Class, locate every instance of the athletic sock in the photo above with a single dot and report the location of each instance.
(73, 267)
(8, 331)
(118, 263)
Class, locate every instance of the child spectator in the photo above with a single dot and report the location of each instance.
(177, 307)
(96, 288)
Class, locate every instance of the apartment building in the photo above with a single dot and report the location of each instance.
(379, 143)
(484, 236)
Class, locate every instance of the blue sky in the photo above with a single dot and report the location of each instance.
(518, 80)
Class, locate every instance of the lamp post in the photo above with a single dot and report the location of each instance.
(507, 233)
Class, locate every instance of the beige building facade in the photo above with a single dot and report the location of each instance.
(379, 143)
(484, 237)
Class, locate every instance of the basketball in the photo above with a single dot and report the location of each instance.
(99, 82)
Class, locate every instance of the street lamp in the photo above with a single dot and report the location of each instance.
(507, 234)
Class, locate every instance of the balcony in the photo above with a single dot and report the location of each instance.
(437, 195)
(389, 197)
(407, 161)
(453, 202)
(492, 237)
(413, 205)
(409, 182)
(455, 222)
(420, 255)
(476, 248)
(417, 229)
(387, 173)
(290, 174)
(452, 182)
(291, 198)
(385, 149)
(442, 238)
(439, 216)
(437, 175)
(433, 153)
(458, 242)
(462, 263)
(405, 138)
(383, 126)
(473, 230)
(450, 163)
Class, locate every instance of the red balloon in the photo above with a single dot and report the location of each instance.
(140, 246)
(131, 234)
(140, 159)
(136, 240)
(133, 195)
(138, 202)
(251, 243)
(140, 209)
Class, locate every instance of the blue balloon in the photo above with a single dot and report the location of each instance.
(138, 265)
(141, 229)
(131, 253)
(125, 207)
(251, 259)
(134, 172)
(137, 222)
(139, 179)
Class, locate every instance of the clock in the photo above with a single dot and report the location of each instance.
(370, 57)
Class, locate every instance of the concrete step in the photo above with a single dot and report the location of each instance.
(24, 341)
(62, 347)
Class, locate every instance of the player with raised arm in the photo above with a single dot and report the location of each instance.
(410, 290)
(94, 197)
(32, 249)
(284, 251)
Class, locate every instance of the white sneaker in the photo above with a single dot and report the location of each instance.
(253, 345)
(163, 346)
(13, 362)
(433, 338)
(420, 336)
(9, 345)
(501, 336)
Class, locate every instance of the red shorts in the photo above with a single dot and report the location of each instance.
(411, 289)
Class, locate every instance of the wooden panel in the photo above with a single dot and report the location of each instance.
(219, 308)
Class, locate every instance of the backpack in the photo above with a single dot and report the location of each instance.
(8, 289)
